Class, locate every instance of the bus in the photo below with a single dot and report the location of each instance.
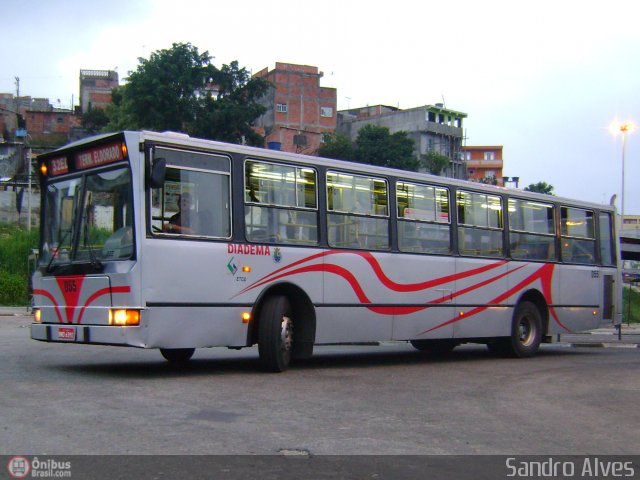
(160, 240)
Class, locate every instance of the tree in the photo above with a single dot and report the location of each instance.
(179, 89)
(540, 187)
(337, 146)
(376, 146)
(94, 120)
(436, 162)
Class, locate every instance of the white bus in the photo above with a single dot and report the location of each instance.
(164, 241)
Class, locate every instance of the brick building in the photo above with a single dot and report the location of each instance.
(96, 87)
(299, 111)
(484, 163)
(45, 125)
(50, 127)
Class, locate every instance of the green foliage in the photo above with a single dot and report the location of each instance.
(179, 89)
(95, 120)
(436, 162)
(492, 180)
(13, 289)
(376, 146)
(337, 146)
(630, 305)
(15, 246)
(540, 187)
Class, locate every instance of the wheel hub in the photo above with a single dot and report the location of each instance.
(286, 334)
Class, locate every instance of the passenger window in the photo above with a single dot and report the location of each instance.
(606, 250)
(194, 200)
(423, 218)
(531, 230)
(578, 235)
(358, 211)
(479, 224)
(281, 203)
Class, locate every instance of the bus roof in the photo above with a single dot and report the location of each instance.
(181, 139)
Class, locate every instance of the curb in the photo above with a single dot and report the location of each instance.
(630, 346)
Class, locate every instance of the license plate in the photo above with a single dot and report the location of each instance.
(66, 333)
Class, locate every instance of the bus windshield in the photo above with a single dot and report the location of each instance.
(88, 219)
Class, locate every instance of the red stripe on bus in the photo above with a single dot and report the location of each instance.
(48, 295)
(100, 293)
(384, 279)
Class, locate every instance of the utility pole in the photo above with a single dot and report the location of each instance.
(17, 87)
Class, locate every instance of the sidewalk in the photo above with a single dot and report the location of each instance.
(14, 311)
(606, 337)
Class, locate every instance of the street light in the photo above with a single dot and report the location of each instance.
(623, 128)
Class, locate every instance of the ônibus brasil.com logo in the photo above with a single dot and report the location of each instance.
(20, 467)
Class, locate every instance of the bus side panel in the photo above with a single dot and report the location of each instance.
(197, 291)
(481, 285)
(186, 287)
(580, 295)
(425, 288)
(196, 327)
(355, 295)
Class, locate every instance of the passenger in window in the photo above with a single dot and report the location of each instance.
(252, 195)
(183, 221)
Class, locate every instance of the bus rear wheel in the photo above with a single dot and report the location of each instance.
(177, 355)
(526, 333)
(275, 334)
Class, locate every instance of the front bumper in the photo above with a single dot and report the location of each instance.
(89, 334)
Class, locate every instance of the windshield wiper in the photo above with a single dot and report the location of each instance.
(95, 263)
(55, 254)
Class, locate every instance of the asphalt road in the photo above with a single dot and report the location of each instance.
(390, 399)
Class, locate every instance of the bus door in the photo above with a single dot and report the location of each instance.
(579, 277)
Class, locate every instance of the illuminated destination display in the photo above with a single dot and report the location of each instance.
(99, 156)
(59, 166)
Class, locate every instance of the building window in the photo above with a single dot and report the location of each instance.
(281, 107)
(326, 112)
(490, 155)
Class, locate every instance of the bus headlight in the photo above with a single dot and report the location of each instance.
(124, 318)
(37, 315)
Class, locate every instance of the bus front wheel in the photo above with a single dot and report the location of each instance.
(526, 333)
(177, 355)
(275, 334)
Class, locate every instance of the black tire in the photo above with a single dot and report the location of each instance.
(526, 333)
(434, 347)
(275, 334)
(177, 355)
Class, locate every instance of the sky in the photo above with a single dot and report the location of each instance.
(545, 79)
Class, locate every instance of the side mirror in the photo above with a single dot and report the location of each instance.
(158, 172)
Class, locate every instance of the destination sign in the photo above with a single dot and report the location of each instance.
(99, 156)
(58, 166)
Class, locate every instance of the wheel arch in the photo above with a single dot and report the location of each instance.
(304, 315)
(537, 298)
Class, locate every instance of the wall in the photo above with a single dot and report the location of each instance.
(297, 87)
